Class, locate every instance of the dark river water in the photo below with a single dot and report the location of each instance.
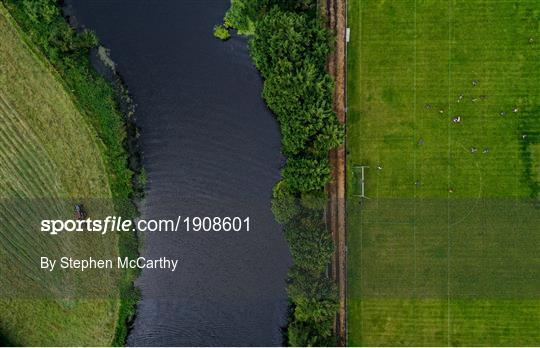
(210, 148)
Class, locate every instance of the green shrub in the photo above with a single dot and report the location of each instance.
(284, 203)
(221, 32)
(315, 300)
(243, 14)
(310, 243)
(301, 100)
(314, 200)
(305, 334)
(289, 36)
(306, 174)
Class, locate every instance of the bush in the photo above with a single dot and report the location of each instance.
(289, 36)
(305, 334)
(315, 300)
(284, 203)
(314, 200)
(301, 100)
(243, 14)
(221, 32)
(306, 174)
(310, 243)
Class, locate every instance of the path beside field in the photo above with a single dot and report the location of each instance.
(335, 11)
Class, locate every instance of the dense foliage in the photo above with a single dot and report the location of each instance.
(289, 46)
(221, 32)
(67, 51)
(245, 14)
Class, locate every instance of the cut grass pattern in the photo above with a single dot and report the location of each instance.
(50, 157)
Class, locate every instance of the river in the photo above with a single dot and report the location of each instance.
(210, 147)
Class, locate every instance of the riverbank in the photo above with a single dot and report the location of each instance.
(105, 107)
(50, 157)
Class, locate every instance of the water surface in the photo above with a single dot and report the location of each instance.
(210, 147)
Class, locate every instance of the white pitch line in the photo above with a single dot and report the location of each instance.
(414, 174)
(448, 170)
(361, 208)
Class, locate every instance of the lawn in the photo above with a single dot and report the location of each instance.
(444, 109)
(50, 158)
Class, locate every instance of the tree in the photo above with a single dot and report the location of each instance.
(306, 174)
(315, 299)
(284, 203)
(244, 14)
(305, 334)
(314, 200)
(290, 36)
(310, 243)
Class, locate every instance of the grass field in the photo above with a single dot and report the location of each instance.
(49, 159)
(445, 250)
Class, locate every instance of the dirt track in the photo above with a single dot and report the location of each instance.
(335, 11)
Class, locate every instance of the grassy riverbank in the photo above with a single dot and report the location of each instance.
(64, 137)
(443, 108)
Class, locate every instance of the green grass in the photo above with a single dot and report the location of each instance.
(50, 158)
(445, 250)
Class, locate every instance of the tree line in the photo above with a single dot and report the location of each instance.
(289, 46)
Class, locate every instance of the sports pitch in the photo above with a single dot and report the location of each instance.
(444, 108)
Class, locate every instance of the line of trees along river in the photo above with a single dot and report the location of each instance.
(290, 45)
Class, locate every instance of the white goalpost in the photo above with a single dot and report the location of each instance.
(362, 169)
